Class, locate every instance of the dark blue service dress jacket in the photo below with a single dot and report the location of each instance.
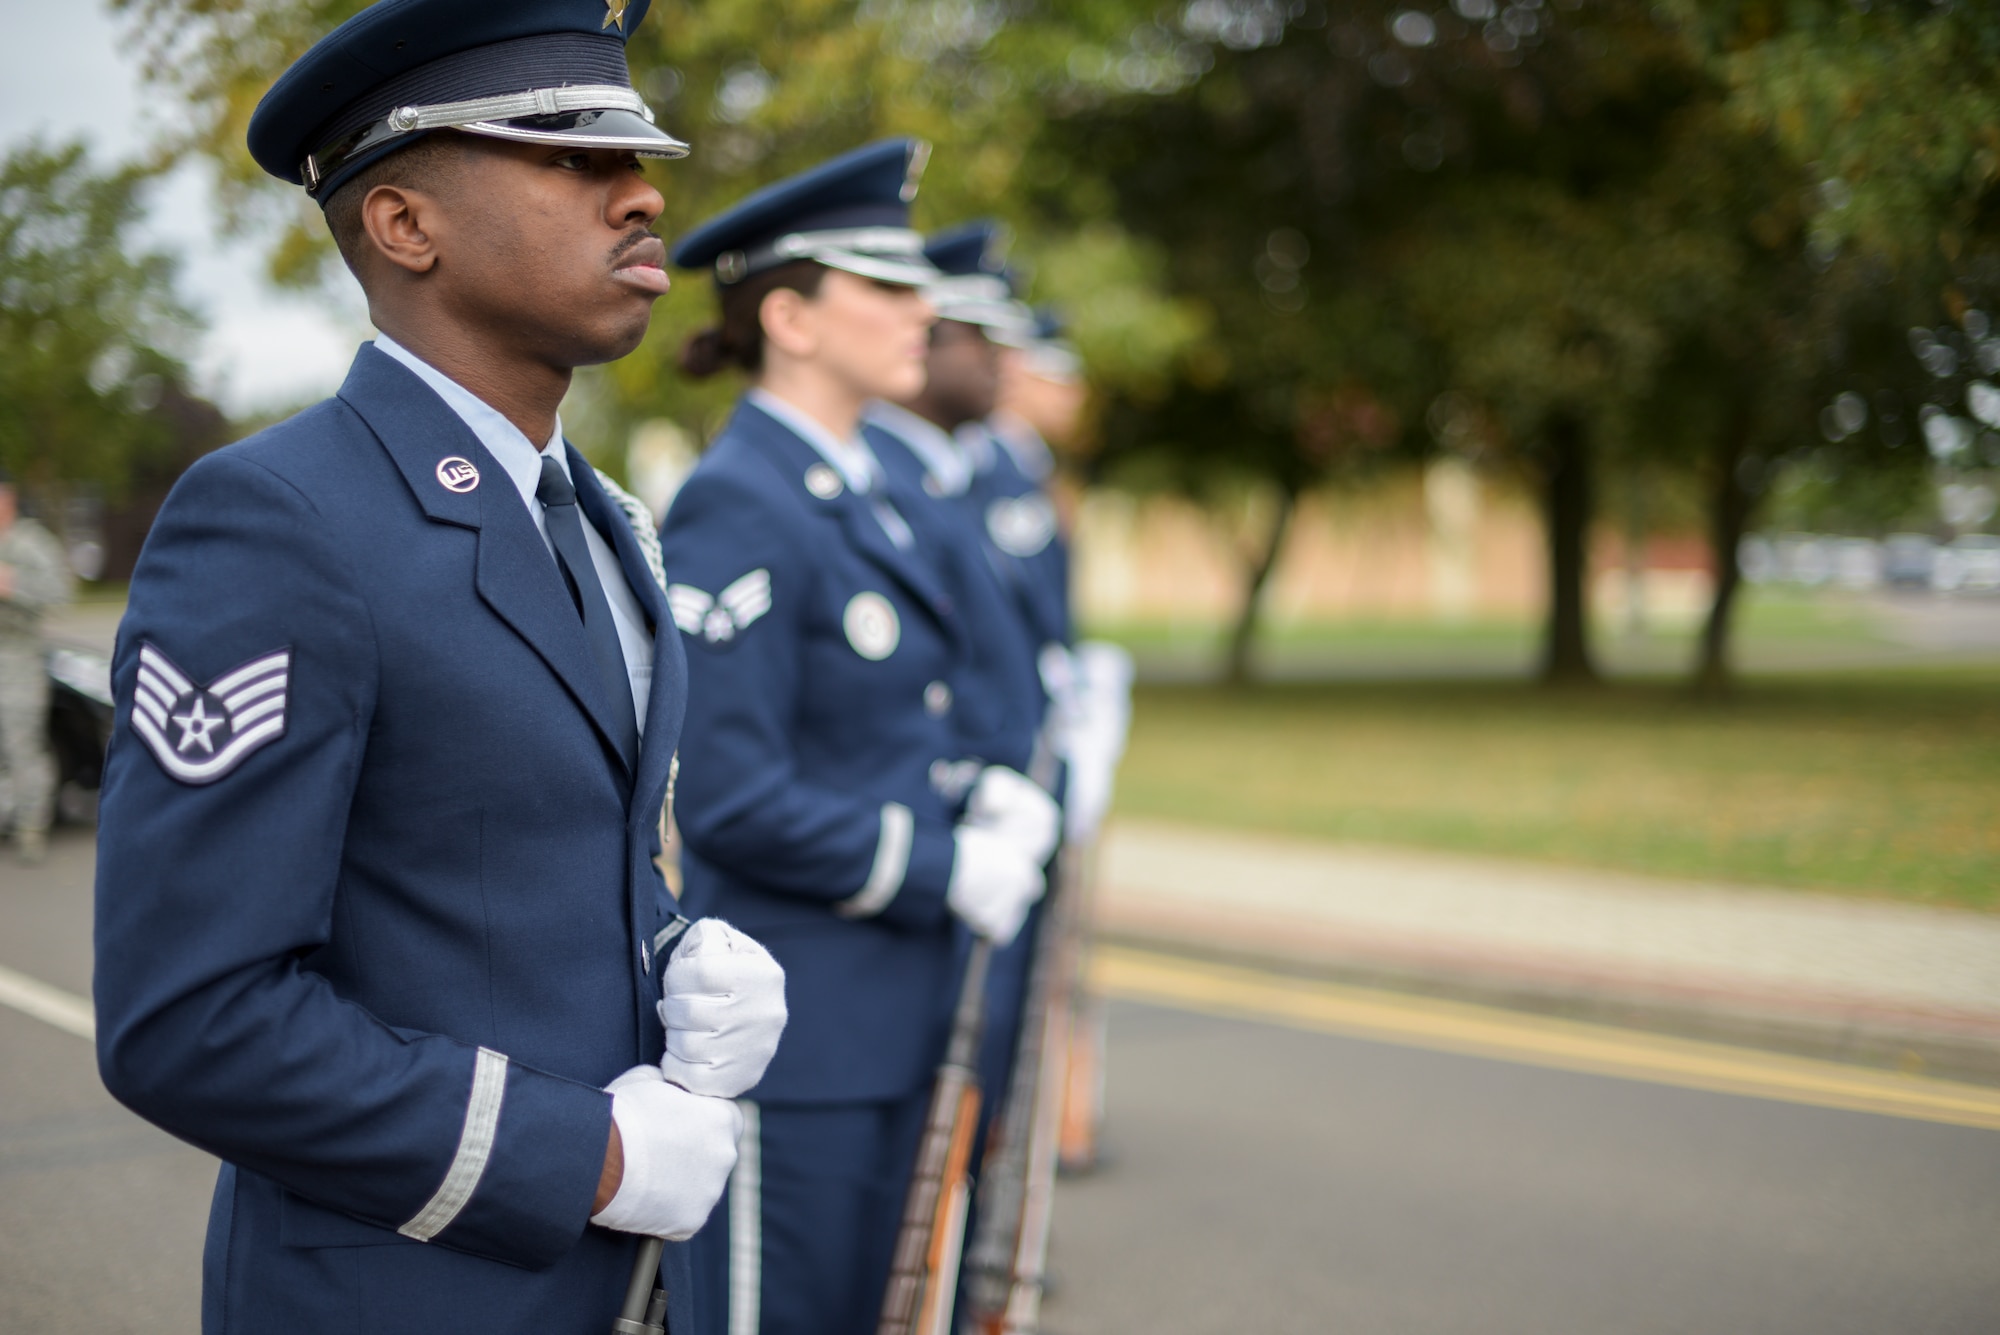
(821, 772)
(1020, 520)
(376, 891)
(1000, 693)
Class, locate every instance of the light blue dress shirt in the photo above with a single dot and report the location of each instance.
(522, 463)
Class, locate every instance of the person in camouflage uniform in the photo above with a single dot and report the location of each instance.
(34, 576)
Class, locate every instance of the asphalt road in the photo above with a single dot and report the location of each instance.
(1262, 1179)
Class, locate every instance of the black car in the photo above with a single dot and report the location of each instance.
(80, 714)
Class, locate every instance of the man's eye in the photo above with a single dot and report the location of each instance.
(574, 162)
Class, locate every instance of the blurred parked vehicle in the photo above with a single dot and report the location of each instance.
(80, 713)
(1757, 559)
(1857, 563)
(1804, 559)
(1970, 564)
(1908, 559)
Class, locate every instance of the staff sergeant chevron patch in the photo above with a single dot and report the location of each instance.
(201, 733)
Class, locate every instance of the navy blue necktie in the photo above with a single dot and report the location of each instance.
(579, 572)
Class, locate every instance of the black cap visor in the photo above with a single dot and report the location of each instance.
(592, 127)
(608, 128)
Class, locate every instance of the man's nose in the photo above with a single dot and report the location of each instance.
(637, 201)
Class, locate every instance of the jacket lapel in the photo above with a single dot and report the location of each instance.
(792, 457)
(513, 572)
(669, 691)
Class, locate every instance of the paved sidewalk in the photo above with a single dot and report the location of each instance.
(1877, 982)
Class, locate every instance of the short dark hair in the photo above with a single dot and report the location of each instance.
(738, 338)
(425, 165)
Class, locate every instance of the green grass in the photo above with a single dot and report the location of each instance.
(1766, 619)
(1885, 784)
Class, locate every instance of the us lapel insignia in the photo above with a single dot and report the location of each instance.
(456, 474)
(1022, 526)
(823, 482)
(201, 733)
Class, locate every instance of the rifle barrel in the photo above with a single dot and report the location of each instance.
(924, 1273)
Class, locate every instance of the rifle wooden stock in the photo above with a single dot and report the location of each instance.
(1017, 1181)
(923, 1274)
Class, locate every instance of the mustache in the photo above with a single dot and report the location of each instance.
(637, 236)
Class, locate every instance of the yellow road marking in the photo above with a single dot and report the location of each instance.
(1447, 1026)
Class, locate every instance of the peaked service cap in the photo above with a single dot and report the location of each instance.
(975, 286)
(851, 213)
(533, 71)
(1047, 353)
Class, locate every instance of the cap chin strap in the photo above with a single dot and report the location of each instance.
(887, 254)
(480, 115)
(534, 102)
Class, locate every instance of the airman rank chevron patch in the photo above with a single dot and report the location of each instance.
(718, 619)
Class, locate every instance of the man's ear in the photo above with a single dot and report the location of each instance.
(788, 326)
(401, 224)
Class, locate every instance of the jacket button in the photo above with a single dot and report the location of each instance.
(937, 699)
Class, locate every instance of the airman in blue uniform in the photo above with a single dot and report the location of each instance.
(934, 442)
(378, 920)
(828, 800)
(971, 443)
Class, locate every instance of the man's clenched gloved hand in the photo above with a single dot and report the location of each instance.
(679, 1149)
(1015, 807)
(1097, 714)
(993, 884)
(724, 1009)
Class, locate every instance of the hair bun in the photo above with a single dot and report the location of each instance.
(702, 355)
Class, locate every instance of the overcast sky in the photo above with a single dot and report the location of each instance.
(63, 73)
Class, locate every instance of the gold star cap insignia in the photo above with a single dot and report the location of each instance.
(614, 12)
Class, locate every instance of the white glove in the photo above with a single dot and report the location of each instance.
(679, 1150)
(724, 1010)
(993, 884)
(1094, 741)
(1015, 807)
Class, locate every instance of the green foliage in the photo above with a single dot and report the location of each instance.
(761, 89)
(1297, 237)
(90, 330)
(1894, 106)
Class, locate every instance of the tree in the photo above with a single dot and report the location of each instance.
(1883, 122)
(88, 320)
(761, 88)
(1385, 203)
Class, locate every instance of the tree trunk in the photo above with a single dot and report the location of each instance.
(1243, 636)
(1566, 513)
(1730, 504)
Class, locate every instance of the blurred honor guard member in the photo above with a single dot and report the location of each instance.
(399, 694)
(823, 784)
(33, 578)
(931, 442)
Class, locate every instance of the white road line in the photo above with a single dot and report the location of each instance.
(65, 1010)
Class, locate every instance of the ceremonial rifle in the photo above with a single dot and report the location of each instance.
(1083, 1075)
(1017, 1182)
(645, 1309)
(923, 1275)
